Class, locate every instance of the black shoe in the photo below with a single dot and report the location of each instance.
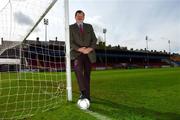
(82, 95)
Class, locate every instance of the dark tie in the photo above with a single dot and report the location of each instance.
(81, 28)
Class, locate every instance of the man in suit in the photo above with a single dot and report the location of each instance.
(83, 43)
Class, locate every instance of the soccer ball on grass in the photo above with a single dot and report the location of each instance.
(83, 104)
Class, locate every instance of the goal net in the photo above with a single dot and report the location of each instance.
(32, 65)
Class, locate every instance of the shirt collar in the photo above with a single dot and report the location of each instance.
(79, 24)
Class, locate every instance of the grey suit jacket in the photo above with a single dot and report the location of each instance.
(87, 39)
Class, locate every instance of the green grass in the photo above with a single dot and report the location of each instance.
(25, 94)
(136, 94)
(153, 93)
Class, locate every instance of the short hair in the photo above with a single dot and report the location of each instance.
(79, 11)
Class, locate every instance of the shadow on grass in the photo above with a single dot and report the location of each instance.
(119, 111)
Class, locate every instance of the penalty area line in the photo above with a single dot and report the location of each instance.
(98, 116)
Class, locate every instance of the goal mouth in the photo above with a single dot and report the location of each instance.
(32, 77)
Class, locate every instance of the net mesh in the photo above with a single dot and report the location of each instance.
(21, 16)
(32, 77)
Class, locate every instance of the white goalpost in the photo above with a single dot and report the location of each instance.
(35, 74)
(68, 59)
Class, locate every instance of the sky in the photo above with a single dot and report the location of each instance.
(128, 22)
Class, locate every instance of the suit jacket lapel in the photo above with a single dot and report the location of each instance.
(84, 28)
(76, 28)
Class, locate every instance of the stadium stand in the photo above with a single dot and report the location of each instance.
(44, 55)
(117, 58)
(41, 56)
(175, 59)
(7, 45)
(9, 55)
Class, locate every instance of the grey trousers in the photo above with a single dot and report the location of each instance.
(82, 67)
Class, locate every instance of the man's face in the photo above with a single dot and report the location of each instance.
(79, 17)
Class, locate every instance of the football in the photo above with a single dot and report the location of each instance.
(83, 103)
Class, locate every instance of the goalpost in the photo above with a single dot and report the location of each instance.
(35, 75)
(68, 59)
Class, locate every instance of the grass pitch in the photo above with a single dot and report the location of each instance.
(136, 94)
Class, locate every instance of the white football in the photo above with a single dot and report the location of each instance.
(83, 104)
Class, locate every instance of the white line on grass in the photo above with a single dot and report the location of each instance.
(97, 115)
